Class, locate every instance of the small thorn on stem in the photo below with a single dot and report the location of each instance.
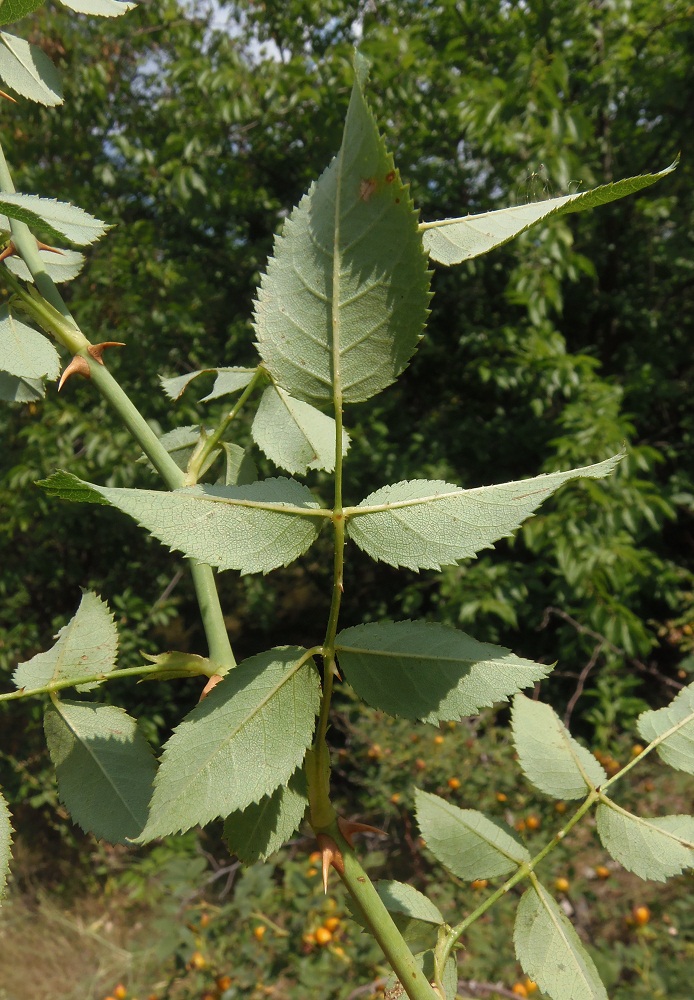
(44, 246)
(7, 96)
(96, 350)
(78, 366)
(212, 683)
(349, 827)
(331, 856)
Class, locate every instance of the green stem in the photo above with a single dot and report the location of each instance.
(525, 870)
(57, 316)
(114, 675)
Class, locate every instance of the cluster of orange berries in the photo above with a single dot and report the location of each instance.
(524, 989)
(324, 935)
(611, 765)
(121, 993)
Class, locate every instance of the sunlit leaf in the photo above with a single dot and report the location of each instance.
(650, 847)
(465, 841)
(550, 951)
(5, 844)
(257, 831)
(678, 749)
(342, 306)
(57, 219)
(548, 754)
(59, 267)
(24, 352)
(451, 241)
(253, 529)
(426, 525)
(86, 645)
(228, 381)
(104, 765)
(422, 670)
(239, 744)
(28, 71)
(295, 435)
(102, 8)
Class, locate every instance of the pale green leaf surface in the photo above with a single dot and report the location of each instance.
(253, 529)
(181, 442)
(342, 306)
(678, 749)
(399, 897)
(5, 844)
(24, 352)
(57, 219)
(451, 241)
(549, 756)
(28, 71)
(59, 267)
(13, 10)
(465, 841)
(229, 380)
(240, 469)
(426, 525)
(550, 951)
(20, 390)
(105, 768)
(650, 847)
(427, 671)
(260, 829)
(293, 434)
(88, 644)
(239, 744)
(101, 8)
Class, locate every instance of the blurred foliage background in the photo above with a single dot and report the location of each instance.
(194, 128)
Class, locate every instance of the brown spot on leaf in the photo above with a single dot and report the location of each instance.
(367, 186)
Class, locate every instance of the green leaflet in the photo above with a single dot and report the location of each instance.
(257, 831)
(13, 10)
(415, 916)
(422, 670)
(57, 219)
(181, 442)
(652, 848)
(452, 241)
(88, 644)
(465, 841)
(5, 844)
(241, 743)
(426, 525)
(228, 381)
(240, 469)
(253, 529)
(550, 951)
(295, 435)
(59, 267)
(549, 756)
(28, 71)
(678, 749)
(20, 390)
(104, 765)
(342, 306)
(25, 353)
(102, 8)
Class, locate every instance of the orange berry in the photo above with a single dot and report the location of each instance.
(120, 992)
(332, 923)
(395, 798)
(560, 807)
(315, 857)
(309, 938)
(530, 986)
(205, 919)
(561, 884)
(520, 825)
(311, 872)
(197, 960)
(533, 823)
(339, 951)
(438, 740)
(454, 783)
(223, 982)
(641, 915)
(109, 998)
(259, 932)
(479, 883)
(636, 749)
(501, 797)
(520, 989)
(323, 935)
(374, 751)
(420, 764)
(602, 872)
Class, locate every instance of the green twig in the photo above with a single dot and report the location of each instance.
(114, 675)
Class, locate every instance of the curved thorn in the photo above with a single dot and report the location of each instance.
(349, 827)
(96, 350)
(78, 366)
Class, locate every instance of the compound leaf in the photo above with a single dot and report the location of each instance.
(101, 8)
(293, 434)
(241, 743)
(652, 848)
(549, 756)
(88, 644)
(28, 71)
(256, 832)
(427, 671)
(342, 306)
(57, 219)
(452, 241)
(20, 390)
(104, 765)
(677, 750)
(228, 381)
(426, 525)
(14, 10)
(465, 841)
(550, 951)
(5, 844)
(24, 352)
(253, 529)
